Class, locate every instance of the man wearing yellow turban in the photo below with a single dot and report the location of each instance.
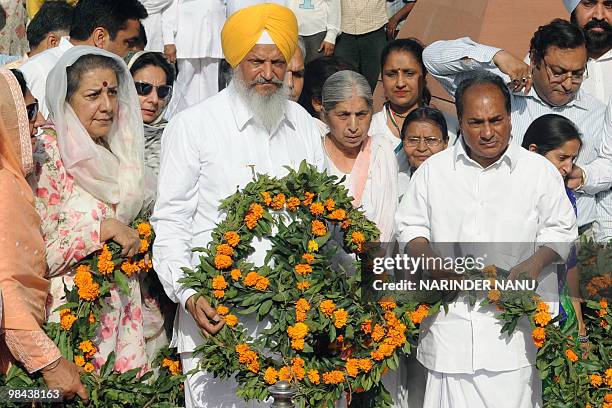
(209, 149)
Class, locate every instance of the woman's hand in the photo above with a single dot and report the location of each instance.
(64, 375)
(125, 236)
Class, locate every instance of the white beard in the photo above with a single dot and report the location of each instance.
(267, 110)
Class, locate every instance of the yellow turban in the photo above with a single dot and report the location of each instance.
(243, 28)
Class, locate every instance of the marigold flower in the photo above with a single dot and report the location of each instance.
(604, 305)
(327, 307)
(297, 344)
(494, 295)
(365, 364)
(219, 282)
(89, 292)
(88, 348)
(83, 277)
(79, 361)
(303, 269)
(596, 380)
(490, 270)
(333, 377)
(130, 268)
(608, 374)
(314, 377)
(223, 261)
(303, 285)
(313, 246)
(603, 324)
(267, 198)
(420, 314)
(301, 309)
(232, 238)
(542, 318)
(317, 208)
(308, 197)
(174, 366)
(387, 304)
(358, 239)
(218, 293)
(345, 224)
(297, 367)
(608, 398)
(88, 367)
(106, 265)
(242, 348)
(293, 203)
(231, 320)
(571, 356)
(144, 246)
(236, 274)
(92, 318)
(270, 376)
(225, 249)
(279, 201)
(378, 333)
(251, 279)
(340, 318)
(330, 204)
(542, 307)
(318, 228)
(66, 321)
(297, 331)
(222, 310)
(352, 367)
(262, 283)
(366, 326)
(309, 258)
(144, 229)
(538, 336)
(253, 216)
(337, 215)
(285, 374)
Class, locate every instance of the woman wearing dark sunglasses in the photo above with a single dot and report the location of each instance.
(153, 78)
(35, 119)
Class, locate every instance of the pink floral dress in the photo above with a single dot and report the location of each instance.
(71, 220)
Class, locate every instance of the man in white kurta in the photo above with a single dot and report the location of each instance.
(191, 32)
(153, 23)
(512, 196)
(213, 148)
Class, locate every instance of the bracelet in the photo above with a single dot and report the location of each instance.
(583, 339)
(584, 176)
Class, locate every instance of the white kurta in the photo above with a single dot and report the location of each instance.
(520, 200)
(235, 5)
(153, 23)
(207, 152)
(37, 68)
(599, 79)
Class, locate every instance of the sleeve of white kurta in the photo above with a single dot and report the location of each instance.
(36, 79)
(333, 21)
(384, 174)
(558, 228)
(412, 217)
(175, 207)
(169, 19)
(450, 62)
(599, 171)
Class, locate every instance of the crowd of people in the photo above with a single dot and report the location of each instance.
(160, 108)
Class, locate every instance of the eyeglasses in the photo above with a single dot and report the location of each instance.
(553, 77)
(32, 110)
(145, 88)
(430, 141)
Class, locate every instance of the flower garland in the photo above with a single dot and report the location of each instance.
(75, 333)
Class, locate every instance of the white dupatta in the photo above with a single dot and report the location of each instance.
(114, 175)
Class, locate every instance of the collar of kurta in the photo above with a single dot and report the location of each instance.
(243, 115)
(65, 43)
(510, 156)
(579, 101)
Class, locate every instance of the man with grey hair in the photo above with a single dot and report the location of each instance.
(294, 78)
(210, 149)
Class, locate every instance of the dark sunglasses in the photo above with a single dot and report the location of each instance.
(32, 110)
(145, 88)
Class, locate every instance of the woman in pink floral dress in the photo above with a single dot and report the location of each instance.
(89, 187)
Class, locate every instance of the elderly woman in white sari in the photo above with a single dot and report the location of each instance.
(89, 165)
(368, 163)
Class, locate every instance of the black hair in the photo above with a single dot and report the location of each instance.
(481, 78)
(53, 16)
(155, 59)
(550, 132)
(558, 33)
(316, 73)
(142, 37)
(21, 80)
(85, 64)
(426, 114)
(414, 48)
(109, 14)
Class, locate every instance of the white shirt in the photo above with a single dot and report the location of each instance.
(599, 80)
(316, 16)
(205, 157)
(521, 200)
(446, 61)
(37, 68)
(194, 26)
(379, 199)
(603, 221)
(235, 5)
(153, 23)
